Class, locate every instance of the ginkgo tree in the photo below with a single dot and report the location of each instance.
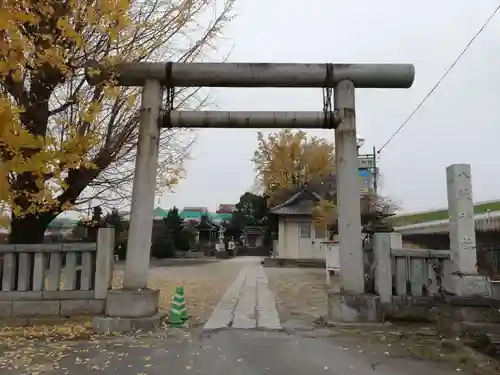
(63, 142)
(287, 160)
(290, 159)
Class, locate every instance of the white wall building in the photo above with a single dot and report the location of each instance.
(298, 237)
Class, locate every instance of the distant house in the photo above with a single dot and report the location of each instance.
(60, 229)
(298, 237)
(190, 215)
(194, 214)
(226, 208)
(196, 209)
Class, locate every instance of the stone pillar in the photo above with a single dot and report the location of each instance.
(465, 279)
(382, 245)
(104, 261)
(143, 193)
(348, 192)
(135, 307)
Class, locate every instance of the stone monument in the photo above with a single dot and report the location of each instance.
(220, 246)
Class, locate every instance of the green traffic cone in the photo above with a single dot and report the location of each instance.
(179, 298)
(178, 313)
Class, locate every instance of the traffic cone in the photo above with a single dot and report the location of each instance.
(178, 313)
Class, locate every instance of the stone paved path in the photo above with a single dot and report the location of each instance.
(248, 303)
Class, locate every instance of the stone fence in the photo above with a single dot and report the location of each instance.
(56, 279)
(438, 285)
(419, 284)
(403, 273)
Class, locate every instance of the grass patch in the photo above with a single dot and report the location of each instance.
(425, 217)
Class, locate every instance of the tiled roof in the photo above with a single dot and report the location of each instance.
(185, 214)
(63, 222)
(221, 216)
(226, 208)
(189, 215)
(160, 212)
(301, 203)
(195, 209)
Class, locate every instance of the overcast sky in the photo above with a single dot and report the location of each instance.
(458, 124)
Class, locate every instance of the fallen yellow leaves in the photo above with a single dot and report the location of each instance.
(299, 291)
(61, 328)
(38, 345)
(19, 339)
(203, 285)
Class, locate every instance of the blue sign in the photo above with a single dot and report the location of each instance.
(365, 178)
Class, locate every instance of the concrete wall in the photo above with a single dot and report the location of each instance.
(58, 303)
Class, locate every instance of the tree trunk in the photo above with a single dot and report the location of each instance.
(29, 229)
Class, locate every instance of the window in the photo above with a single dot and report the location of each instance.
(319, 233)
(305, 231)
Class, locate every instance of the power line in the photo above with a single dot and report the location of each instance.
(417, 108)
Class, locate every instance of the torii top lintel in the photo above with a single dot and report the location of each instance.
(254, 74)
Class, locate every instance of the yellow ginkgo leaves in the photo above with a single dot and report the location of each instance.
(291, 159)
(41, 45)
(287, 159)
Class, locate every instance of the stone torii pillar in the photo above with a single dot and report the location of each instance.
(343, 78)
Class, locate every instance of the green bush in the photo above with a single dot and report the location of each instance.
(163, 248)
(185, 239)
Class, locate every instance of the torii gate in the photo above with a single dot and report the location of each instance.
(154, 77)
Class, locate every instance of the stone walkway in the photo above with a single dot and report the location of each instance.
(248, 303)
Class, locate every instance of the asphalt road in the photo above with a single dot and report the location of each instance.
(232, 351)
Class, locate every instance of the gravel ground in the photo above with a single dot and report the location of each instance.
(300, 292)
(204, 285)
(32, 344)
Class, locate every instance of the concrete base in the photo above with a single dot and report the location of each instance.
(458, 315)
(292, 262)
(123, 325)
(354, 308)
(123, 303)
(469, 285)
(495, 288)
(411, 309)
